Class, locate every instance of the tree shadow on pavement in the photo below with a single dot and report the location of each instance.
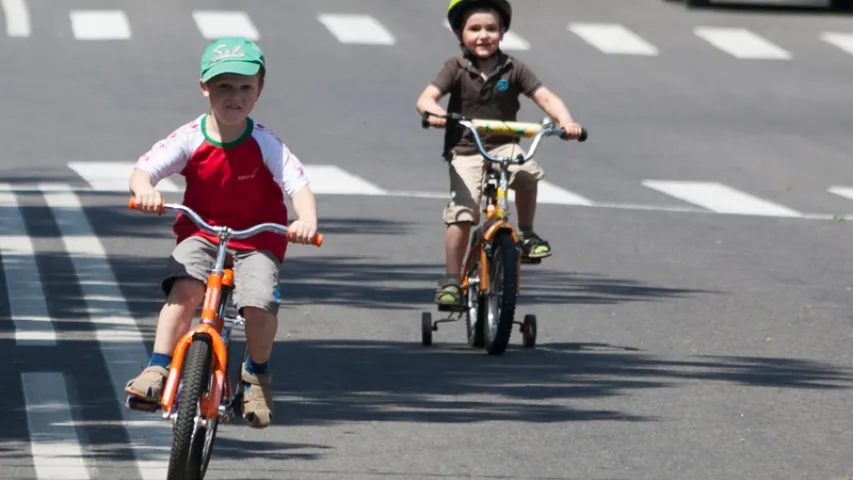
(372, 282)
(381, 381)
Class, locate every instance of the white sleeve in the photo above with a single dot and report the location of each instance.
(166, 157)
(286, 168)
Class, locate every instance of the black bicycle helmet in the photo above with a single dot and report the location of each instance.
(456, 11)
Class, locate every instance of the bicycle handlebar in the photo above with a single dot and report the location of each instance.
(516, 129)
(226, 231)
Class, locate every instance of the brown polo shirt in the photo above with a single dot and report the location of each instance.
(492, 98)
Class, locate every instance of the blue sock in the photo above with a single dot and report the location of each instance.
(256, 368)
(160, 360)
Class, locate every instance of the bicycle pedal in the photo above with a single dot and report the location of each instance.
(140, 405)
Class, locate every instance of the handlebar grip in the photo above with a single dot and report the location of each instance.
(581, 137)
(317, 241)
(131, 204)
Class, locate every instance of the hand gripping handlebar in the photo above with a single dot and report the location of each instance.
(226, 232)
(538, 131)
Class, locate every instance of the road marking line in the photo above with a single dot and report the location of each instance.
(846, 192)
(216, 23)
(27, 307)
(741, 43)
(720, 198)
(613, 39)
(511, 41)
(56, 450)
(333, 180)
(17, 17)
(114, 176)
(100, 25)
(354, 28)
(548, 193)
(96, 279)
(842, 41)
(59, 187)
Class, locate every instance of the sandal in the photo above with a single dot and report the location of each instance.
(448, 293)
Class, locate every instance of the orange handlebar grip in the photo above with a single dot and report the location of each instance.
(131, 204)
(316, 241)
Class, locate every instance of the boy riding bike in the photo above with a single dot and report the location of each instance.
(237, 173)
(484, 82)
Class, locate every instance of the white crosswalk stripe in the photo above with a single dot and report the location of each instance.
(720, 198)
(741, 43)
(840, 40)
(214, 24)
(54, 441)
(17, 17)
(100, 25)
(613, 39)
(356, 29)
(29, 312)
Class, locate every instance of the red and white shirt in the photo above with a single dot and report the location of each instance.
(239, 184)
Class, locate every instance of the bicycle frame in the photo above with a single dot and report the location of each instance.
(211, 323)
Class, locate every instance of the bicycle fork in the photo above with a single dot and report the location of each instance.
(233, 407)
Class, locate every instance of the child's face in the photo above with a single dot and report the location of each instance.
(232, 97)
(482, 33)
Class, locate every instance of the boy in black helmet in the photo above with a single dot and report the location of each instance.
(484, 82)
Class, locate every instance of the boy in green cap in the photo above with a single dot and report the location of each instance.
(484, 82)
(237, 173)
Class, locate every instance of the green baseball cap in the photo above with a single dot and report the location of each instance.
(237, 55)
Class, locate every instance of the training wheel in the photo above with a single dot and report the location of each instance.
(528, 330)
(426, 329)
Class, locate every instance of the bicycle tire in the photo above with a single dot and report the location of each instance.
(505, 255)
(209, 439)
(195, 377)
(475, 331)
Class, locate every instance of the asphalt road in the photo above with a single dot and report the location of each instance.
(676, 340)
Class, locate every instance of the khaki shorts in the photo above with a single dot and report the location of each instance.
(255, 272)
(467, 177)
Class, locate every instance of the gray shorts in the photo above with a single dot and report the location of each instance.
(255, 272)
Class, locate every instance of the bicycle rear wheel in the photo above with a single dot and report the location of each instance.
(185, 459)
(500, 306)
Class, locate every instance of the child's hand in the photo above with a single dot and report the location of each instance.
(437, 122)
(301, 231)
(573, 130)
(149, 201)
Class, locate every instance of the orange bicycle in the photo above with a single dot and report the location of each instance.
(199, 393)
(491, 273)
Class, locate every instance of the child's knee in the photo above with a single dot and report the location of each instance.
(185, 291)
(258, 314)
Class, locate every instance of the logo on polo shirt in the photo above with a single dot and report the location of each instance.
(503, 84)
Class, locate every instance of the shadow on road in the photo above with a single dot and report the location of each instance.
(343, 381)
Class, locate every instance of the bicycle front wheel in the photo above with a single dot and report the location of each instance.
(185, 459)
(503, 277)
